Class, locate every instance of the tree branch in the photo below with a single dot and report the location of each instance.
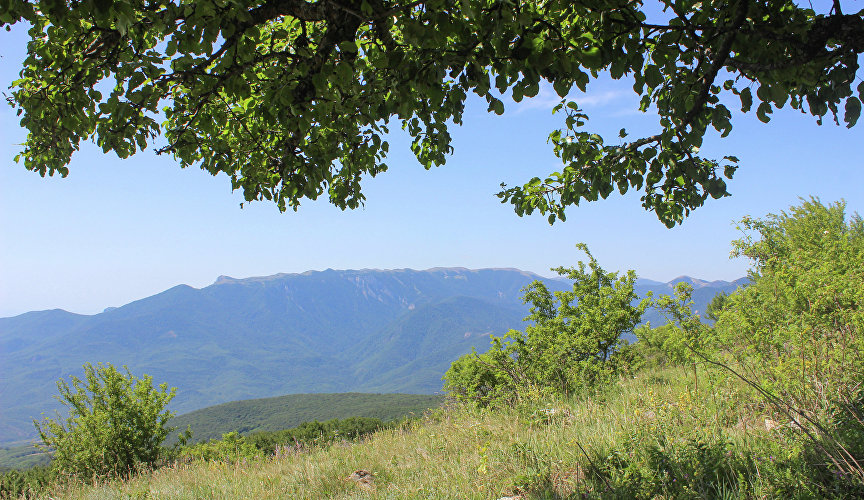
(722, 55)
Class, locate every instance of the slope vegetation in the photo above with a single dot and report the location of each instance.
(651, 436)
(283, 412)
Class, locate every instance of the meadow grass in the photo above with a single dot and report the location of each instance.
(649, 436)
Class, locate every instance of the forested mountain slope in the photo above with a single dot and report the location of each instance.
(327, 331)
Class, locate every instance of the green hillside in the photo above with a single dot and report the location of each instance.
(692, 410)
(371, 331)
(283, 412)
(22, 457)
(267, 414)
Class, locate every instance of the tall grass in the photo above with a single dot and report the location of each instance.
(649, 436)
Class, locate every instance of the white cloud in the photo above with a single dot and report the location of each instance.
(547, 98)
(600, 99)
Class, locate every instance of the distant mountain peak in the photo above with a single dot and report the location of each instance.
(687, 279)
(224, 280)
(697, 283)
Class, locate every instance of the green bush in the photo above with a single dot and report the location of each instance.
(574, 342)
(796, 332)
(115, 427)
(800, 323)
(15, 483)
(233, 447)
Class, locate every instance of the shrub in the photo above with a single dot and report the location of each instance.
(116, 423)
(571, 346)
(796, 333)
(15, 483)
(801, 319)
(683, 333)
(231, 449)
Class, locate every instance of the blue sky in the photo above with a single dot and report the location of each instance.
(115, 230)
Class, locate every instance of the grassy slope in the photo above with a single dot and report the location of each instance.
(283, 412)
(655, 417)
(267, 414)
(22, 457)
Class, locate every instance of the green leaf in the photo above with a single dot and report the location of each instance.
(592, 58)
(853, 111)
(779, 95)
(763, 111)
(653, 77)
(764, 93)
(517, 93)
(136, 80)
(746, 99)
(562, 87)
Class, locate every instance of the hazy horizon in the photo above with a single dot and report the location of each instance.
(215, 281)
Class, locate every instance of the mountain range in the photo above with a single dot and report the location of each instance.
(314, 332)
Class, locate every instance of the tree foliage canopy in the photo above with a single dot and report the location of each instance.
(293, 99)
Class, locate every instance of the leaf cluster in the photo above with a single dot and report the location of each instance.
(293, 100)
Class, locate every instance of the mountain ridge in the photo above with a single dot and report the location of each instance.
(321, 331)
(224, 279)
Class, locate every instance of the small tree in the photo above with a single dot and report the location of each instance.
(116, 423)
(715, 307)
(685, 335)
(571, 344)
